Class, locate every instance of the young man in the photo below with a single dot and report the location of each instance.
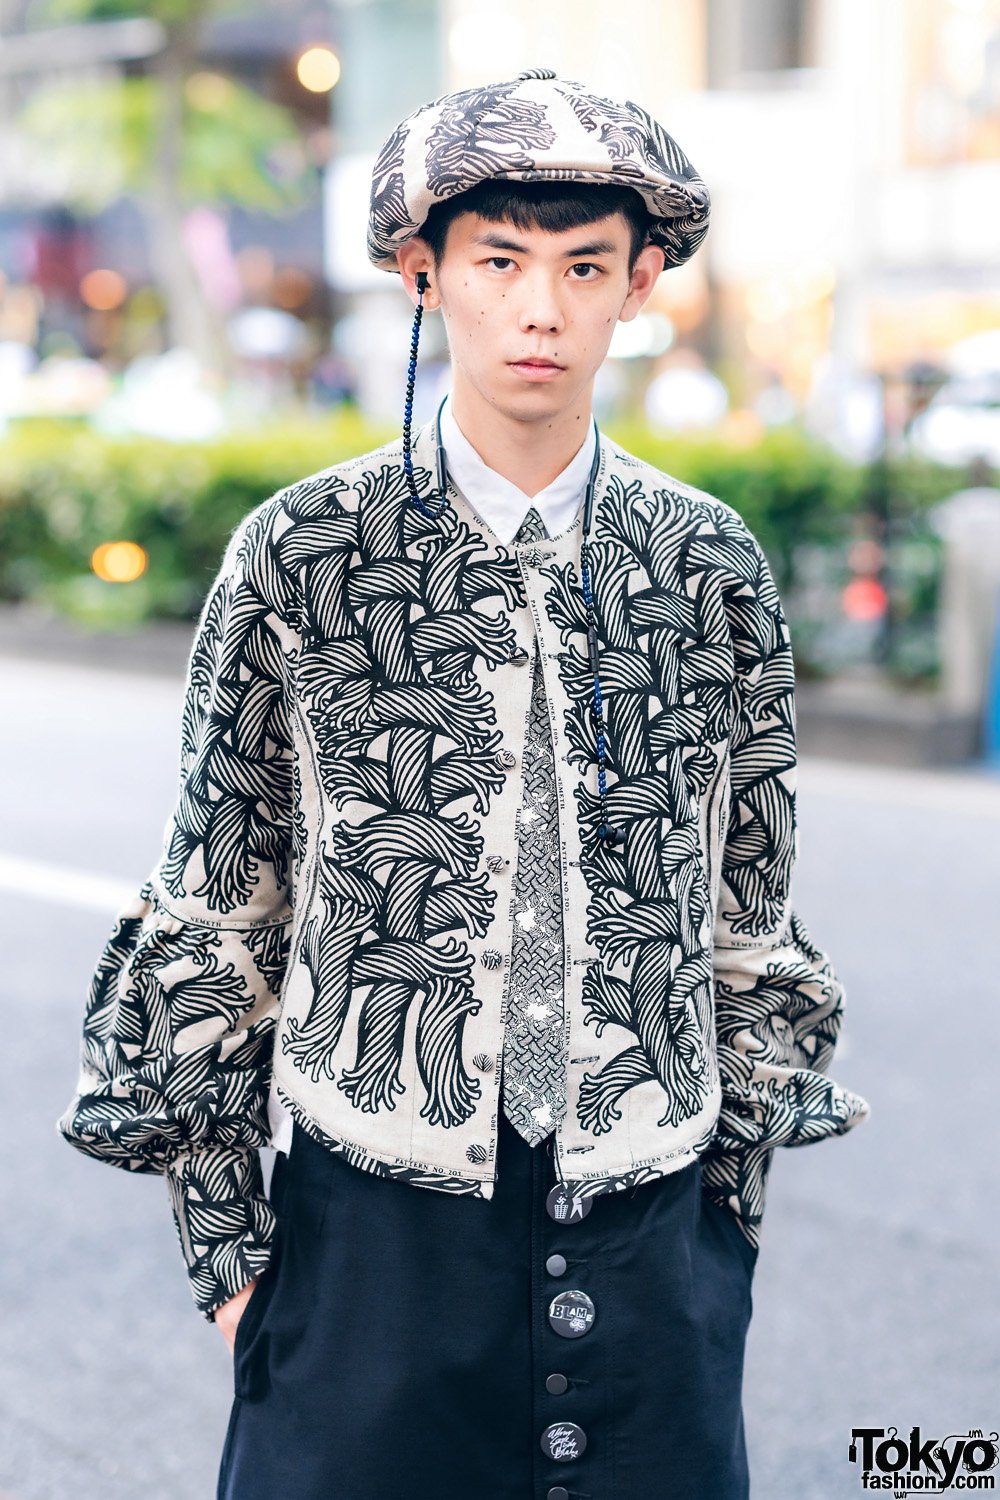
(476, 898)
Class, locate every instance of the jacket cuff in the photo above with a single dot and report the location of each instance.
(736, 1181)
(224, 1221)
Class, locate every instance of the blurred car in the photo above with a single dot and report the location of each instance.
(961, 421)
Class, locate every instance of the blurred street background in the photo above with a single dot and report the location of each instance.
(189, 321)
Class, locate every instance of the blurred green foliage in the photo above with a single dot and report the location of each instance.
(65, 489)
(235, 148)
(786, 486)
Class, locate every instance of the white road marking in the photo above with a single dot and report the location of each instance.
(62, 885)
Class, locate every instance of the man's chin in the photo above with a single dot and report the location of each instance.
(533, 401)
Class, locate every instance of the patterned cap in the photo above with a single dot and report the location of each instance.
(534, 128)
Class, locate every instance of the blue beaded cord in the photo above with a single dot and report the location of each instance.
(411, 376)
(608, 832)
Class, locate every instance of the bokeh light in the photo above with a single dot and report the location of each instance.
(318, 69)
(119, 562)
(103, 290)
(208, 91)
(864, 599)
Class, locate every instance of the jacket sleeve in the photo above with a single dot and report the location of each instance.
(778, 1003)
(180, 1014)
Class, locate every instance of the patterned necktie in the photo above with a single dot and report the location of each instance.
(534, 1062)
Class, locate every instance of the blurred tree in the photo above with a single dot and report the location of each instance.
(176, 137)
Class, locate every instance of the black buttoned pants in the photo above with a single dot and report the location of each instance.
(406, 1342)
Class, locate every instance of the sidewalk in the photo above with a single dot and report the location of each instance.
(860, 717)
(160, 646)
(857, 718)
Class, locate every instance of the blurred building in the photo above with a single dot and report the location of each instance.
(66, 213)
(852, 148)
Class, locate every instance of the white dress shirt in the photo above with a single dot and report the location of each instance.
(500, 503)
(503, 507)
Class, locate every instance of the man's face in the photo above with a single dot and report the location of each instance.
(511, 295)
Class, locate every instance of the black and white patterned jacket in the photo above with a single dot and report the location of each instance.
(333, 896)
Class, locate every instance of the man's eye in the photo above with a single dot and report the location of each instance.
(587, 265)
(493, 258)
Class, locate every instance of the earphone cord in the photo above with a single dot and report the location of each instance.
(609, 832)
(411, 376)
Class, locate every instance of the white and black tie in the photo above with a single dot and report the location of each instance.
(534, 1063)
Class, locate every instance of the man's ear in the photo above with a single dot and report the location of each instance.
(650, 261)
(415, 259)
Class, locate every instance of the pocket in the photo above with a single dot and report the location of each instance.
(276, 1187)
(727, 1218)
(245, 1324)
(243, 1338)
(247, 1343)
(303, 1182)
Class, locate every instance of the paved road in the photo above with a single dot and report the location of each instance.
(878, 1286)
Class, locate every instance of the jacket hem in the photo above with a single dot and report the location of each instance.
(422, 1174)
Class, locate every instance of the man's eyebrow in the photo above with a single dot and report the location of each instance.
(497, 242)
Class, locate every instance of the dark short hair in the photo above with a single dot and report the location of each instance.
(552, 206)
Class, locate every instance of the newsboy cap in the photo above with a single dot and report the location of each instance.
(533, 128)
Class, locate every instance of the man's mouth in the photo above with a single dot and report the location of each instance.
(536, 369)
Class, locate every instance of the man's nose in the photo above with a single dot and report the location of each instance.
(540, 309)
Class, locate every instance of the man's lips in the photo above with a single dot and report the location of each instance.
(535, 370)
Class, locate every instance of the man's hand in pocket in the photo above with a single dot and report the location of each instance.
(228, 1315)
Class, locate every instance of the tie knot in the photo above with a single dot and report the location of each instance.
(532, 528)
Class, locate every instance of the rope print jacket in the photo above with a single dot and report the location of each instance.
(331, 908)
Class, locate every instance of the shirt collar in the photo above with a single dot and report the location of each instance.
(499, 502)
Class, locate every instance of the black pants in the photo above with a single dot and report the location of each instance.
(400, 1343)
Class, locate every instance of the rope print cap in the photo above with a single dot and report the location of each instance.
(536, 127)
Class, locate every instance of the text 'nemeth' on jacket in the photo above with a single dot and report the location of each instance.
(332, 900)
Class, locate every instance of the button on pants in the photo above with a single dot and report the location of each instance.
(407, 1342)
